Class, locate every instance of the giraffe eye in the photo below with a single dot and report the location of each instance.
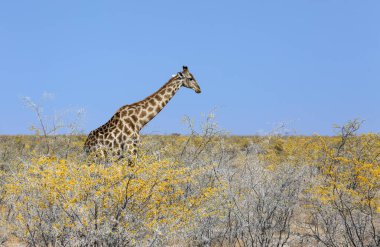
(191, 79)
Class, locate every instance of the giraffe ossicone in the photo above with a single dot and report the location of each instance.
(121, 134)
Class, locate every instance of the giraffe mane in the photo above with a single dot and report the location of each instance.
(153, 94)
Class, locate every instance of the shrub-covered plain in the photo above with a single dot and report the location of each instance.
(202, 189)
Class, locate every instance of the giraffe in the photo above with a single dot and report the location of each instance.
(122, 132)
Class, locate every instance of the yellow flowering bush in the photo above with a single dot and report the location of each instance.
(345, 197)
(352, 169)
(57, 201)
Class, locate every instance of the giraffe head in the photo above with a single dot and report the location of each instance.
(188, 80)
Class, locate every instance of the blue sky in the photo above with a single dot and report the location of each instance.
(307, 63)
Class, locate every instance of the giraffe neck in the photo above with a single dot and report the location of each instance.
(148, 108)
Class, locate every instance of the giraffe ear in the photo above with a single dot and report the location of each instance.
(180, 75)
(184, 68)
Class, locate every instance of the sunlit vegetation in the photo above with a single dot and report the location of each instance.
(201, 189)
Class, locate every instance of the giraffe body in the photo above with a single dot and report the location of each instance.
(121, 134)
